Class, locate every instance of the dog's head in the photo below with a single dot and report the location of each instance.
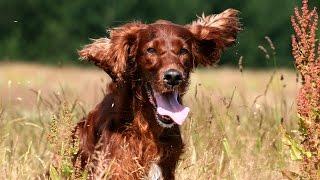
(163, 54)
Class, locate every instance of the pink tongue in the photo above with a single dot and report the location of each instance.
(168, 105)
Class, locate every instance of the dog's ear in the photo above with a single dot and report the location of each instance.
(213, 34)
(112, 54)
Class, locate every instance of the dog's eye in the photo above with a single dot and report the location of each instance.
(183, 51)
(151, 50)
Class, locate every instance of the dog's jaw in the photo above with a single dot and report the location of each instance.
(162, 123)
(152, 100)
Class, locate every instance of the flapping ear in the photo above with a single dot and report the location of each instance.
(113, 54)
(213, 34)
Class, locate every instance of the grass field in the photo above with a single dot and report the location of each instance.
(236, 129)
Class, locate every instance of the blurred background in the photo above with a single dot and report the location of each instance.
(51, 31)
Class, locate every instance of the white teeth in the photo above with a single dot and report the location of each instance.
(164, 124)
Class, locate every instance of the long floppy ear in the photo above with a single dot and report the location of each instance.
(213, 34)
(112, 54)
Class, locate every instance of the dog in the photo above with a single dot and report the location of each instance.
(150, 65)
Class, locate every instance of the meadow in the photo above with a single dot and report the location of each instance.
(242, 124)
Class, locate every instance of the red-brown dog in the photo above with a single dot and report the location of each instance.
(150, 64)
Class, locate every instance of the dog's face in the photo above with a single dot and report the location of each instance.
(165, 59)
(163, 54)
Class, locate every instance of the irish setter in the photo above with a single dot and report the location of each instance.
(137, 122)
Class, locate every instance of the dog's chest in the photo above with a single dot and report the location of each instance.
(155, 172)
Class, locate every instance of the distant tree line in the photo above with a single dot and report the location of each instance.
(52, 31)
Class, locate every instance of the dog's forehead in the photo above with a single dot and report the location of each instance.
(162, 28)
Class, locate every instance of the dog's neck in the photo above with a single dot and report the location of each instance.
(144, 112)
(137, 102)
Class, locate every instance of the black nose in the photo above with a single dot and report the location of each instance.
(172, 77)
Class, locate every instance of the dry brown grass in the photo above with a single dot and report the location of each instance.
(236, 129)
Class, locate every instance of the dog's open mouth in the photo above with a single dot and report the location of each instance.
(169, 109)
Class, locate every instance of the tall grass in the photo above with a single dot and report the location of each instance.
(24, 152)
(238, 127)
(233, 136)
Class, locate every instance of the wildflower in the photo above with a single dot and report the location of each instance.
(9, 84)
(240, 63)
(306, 53)
(264, 50)
(270, 43)
(258, 106)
